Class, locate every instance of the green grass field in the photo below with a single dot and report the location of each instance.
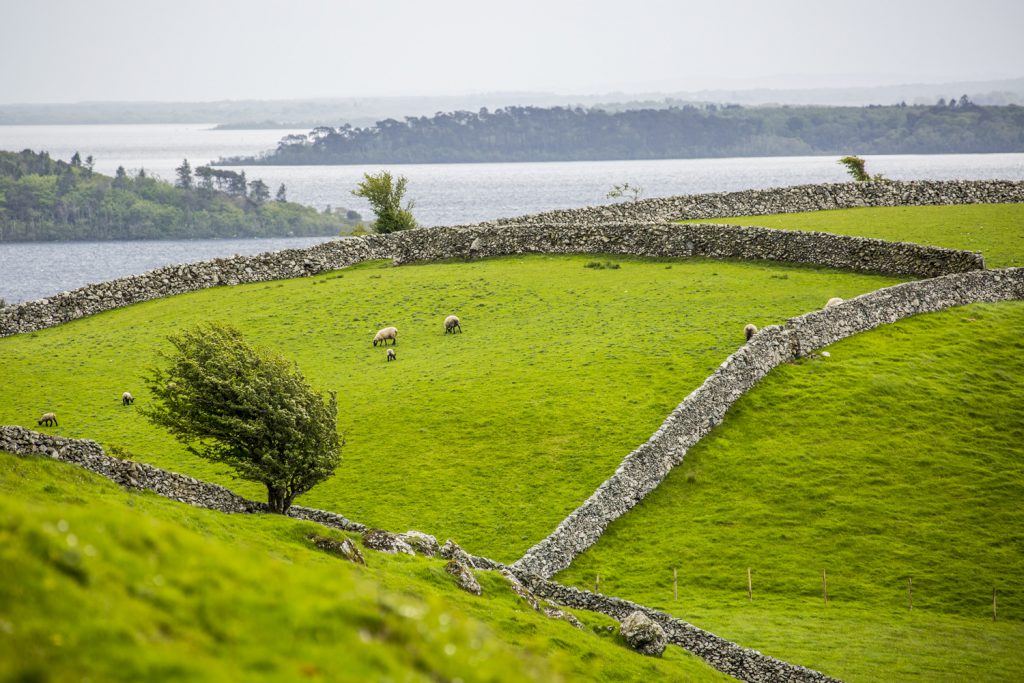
(97, 583)
(996, 230)
(489, 437)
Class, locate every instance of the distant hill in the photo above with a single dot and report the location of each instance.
(564, 134)
(47, 199)
(363, 111)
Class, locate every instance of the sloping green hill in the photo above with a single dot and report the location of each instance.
(100, 584)
(491, 436)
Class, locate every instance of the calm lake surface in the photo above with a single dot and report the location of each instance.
(444, 194)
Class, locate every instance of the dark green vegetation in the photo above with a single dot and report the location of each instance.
(566, 134)
(898, 457)
(228, 401)
(385, 193)
(46, 199)
(489, 437)
(102, 584)
(992, 229)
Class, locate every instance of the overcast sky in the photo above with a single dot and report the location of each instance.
(197, 50)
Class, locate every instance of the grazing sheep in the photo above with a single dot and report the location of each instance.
(48, 419)
(450, 323)
(385, 334)
(127, 398)
(834, 301)
(391, 355)
(750, 330)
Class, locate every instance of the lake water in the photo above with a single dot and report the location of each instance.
(444, 194)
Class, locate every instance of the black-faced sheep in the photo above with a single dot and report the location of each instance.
(385, 334)
(834, 301)
(391, 355)
(48, 419)
(450, 323)
(750, 330)
(127, 398)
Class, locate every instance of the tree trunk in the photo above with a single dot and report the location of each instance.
(279, 499)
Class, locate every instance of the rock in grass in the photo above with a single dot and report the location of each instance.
(424, 544)
(451, 551)
(555, 613)
(345, 549)
(463, 576)
(386, 542)
(519, 589)
(643, 634)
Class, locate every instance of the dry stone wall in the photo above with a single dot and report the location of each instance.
(638, 228)
(647, 466)
(142, 477)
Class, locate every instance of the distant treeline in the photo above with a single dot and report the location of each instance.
(567, 134)
(49, 199)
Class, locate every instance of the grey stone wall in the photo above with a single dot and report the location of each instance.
(634, 228)
(727, 657)
(140, 476)
(647, 466)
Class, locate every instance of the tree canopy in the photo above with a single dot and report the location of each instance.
(232, 402)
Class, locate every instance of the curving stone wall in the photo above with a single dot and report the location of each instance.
(727, 657)
(142, 477)
(635, 228)
(647, 466)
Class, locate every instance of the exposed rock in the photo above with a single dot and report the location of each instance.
(643, 634)
(345, 548)
(522, 591)
(463, 576)
(424, 544)
(451, 551)
(386, 542)
(555, 613)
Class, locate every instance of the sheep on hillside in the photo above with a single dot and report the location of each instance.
(127, 398)
(391, 355)
(450, 323)
(750, 330)
(48, 419)
(385, 334)
(834, 301)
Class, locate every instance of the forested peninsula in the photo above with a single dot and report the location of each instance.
(576, 134)
(50, 199)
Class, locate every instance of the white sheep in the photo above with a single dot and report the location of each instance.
(48, 419)
(450, 323)
(834, 301)
(385, 334)
(391, 355)
(750, 330)
(127, 398)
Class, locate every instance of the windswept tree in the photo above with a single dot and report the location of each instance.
(855, 167)
(625, 190)
(282, 194)
(183, 175)
(258, 191)
(231, 402)
(385, 195)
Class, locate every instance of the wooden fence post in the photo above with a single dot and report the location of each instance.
(824, 585)
(675, 585)
(750, 587)
(597, 584)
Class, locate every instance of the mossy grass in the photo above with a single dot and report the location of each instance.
(491, 436)
(993, 229)
(102, 584)
(897, 457)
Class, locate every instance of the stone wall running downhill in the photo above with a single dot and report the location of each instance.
(644, 469)
(638, 228)
(142, 477)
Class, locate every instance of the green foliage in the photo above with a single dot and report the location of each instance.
(855, 167)
(385, 195)
(104, 584)
(625, 190)
(248, 408)
(678, 132)
(46, 199)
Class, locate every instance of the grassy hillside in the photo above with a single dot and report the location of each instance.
(100, 584)
(490, 437)
(993, 229)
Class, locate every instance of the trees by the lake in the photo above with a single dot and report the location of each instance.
(560, 133)
(384, 193)
(49, 199)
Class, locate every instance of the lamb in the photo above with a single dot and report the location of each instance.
(391, 355)
(385, 334)
(127, 398)
(750, 330)
(450, 323)
(48, 419)
(834, 301)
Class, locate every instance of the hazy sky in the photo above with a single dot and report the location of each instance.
(73, 50)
